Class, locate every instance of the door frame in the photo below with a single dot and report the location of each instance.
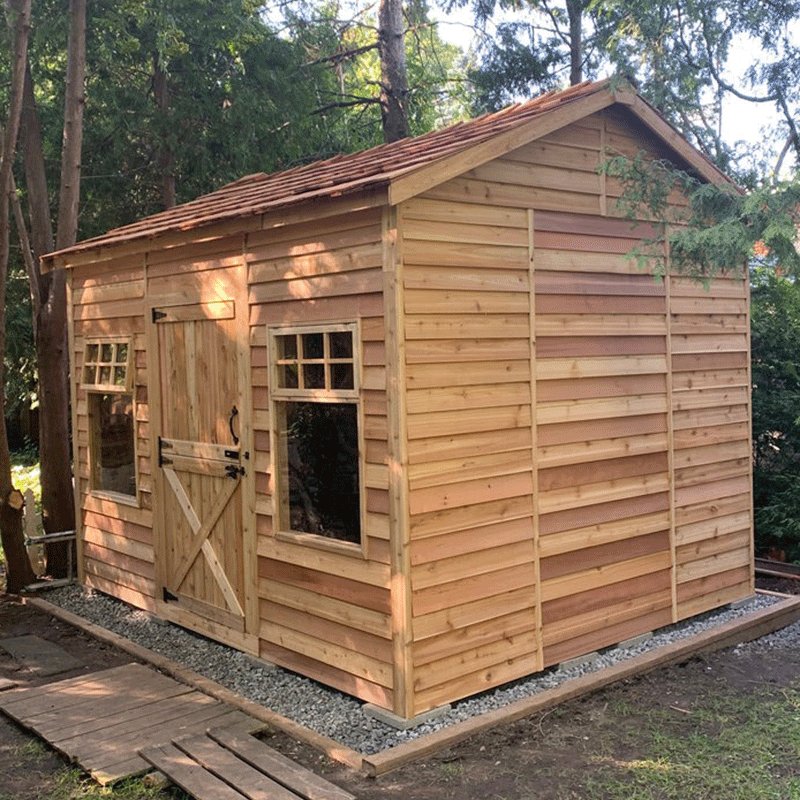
(247, 639)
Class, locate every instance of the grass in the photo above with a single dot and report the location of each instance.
(732, 747)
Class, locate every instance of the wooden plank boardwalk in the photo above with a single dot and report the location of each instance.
(101, 720)
(228, 764)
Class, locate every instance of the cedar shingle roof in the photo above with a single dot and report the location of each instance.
(368, 169)
(376, 167)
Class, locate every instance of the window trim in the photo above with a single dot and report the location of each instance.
(109, 388)
(352, 396)
(94, 389)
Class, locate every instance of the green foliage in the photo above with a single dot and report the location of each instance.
(776, 412)
(342, 69)
(720, 229)
(20, 356)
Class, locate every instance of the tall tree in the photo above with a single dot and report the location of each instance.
(376, 79)
(48, 293)
(19, 572)
(394, 77)
(537, 45)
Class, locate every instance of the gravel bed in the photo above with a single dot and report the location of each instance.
(340, 716)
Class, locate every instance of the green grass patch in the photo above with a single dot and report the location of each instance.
(733, 747)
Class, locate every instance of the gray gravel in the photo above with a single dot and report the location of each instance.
(340, 716)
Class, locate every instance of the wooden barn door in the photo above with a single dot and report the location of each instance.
(199, 525)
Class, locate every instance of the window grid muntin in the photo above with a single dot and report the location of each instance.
(293, 372)
(107, 365)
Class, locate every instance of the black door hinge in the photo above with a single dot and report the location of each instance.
(157, 315)
(168, 596)
(162, 445)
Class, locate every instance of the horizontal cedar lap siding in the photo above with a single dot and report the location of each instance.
(325, 614)
(117, 539)
(616, 378)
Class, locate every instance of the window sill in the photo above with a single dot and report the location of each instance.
(322, 543)
(116, 497)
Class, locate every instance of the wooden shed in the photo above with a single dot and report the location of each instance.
(408, 421)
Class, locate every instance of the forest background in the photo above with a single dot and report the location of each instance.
(116, 110)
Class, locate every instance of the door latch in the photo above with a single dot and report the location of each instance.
(232, 471)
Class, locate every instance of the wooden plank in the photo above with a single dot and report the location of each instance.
(188, 774)
(599, 366)
(465, 279)
(461, 421)
(599, 449)
(602, 492)
(600, 408)
(455, 618)
(222, 763)
(450, 399)
(580, 539)
(335, 655)
(576, 582)
(476, 231)
(330, 608)
(443, 448)
(640, 324)
(281, 769)
(424, 376)
(437, 548)
(438, 473)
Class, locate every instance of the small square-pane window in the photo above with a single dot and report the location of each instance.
(106, 365)
(287, 376)
(341, 376)
(313, 346)
(313, 376)
(287, 346)
(341, 344)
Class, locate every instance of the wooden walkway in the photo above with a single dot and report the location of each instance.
(102, 720)
(227, 764)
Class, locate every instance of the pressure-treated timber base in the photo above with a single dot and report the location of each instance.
(746, 628)
(401, 723)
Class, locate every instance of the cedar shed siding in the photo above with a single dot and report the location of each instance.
(553, 447)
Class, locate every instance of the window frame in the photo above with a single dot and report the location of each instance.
(279, 394)
(94, 391)
(108, 388)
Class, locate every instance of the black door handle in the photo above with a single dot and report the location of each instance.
(234, 413)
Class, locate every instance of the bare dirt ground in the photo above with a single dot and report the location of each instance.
(600, 746)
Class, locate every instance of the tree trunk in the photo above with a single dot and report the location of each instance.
(48, 291)
(67, 228)
(394, 80)
(18, 566)
(48, 299)
(575, 15)
(165, 156)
